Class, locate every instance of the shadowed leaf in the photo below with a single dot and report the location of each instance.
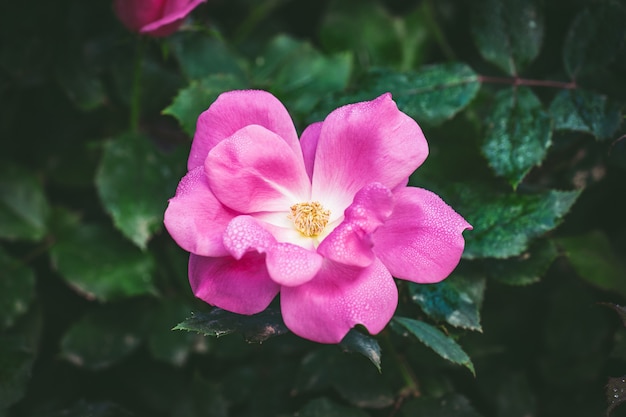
(367, 346)
(435, 339)
(255, 328)
(508, 33)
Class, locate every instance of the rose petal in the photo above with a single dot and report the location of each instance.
(240, 286)
(195, 219)
(244, 234)
(422, 241)
(174, 12)
(292, 265)
(350, 242)
(234, 110)
(363, 143)
(308, 143)
(338, 298)
(254, 170)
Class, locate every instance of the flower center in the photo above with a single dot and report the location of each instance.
(309, 218)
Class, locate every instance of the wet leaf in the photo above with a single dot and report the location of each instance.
(508, 33)
(519, 133)
(256, 328)
(584, 111)
(456, 300)
(435, 339)
(134, 182)
(93, 409)
(505, 224)
(615, 393)
(357, 342)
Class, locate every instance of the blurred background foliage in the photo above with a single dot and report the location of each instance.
(522, 103)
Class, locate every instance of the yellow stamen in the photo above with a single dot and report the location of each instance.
(309, 218)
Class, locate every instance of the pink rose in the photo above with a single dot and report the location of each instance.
(154, 17)
(327, 221)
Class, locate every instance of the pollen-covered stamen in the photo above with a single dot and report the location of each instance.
(309, 218)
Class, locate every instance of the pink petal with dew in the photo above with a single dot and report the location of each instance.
(241, 286)
(172, 17)
(422, 241)
(337, 299)
(287, 264)
(362, 143)
(350, 243)
(308, 142)
(195, 219)
(292, 265)
(234, 110)
(254, 170)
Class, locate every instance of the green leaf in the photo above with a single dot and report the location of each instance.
(432, 337)
(431, 95)
(362, 26)
(17, 289)
(100, 264)
(451, 405)
(165, 344)
(255, 328)
(595, 261)
(508, 33)
(593, 37)
(299, 74)
(584, 111)
(200, 55)
(456, 300)
(526, 268)
(367, 346)
(505, 224)
(615, 393)
(104, 336)
(23, 206)
(18, 349)
(519, 133)
(134, 182)
(198, 96)
(323, 407)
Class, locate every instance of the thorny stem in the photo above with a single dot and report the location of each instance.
(411, 387)
(135, 98)
(516, 81)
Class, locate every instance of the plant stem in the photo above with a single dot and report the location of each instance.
(135, 98)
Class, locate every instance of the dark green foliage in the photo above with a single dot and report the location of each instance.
(508, 33)
(457, 300)
(23, 205)
(522, 103)
(518, 135)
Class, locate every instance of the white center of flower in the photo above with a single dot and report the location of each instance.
(310, 219)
